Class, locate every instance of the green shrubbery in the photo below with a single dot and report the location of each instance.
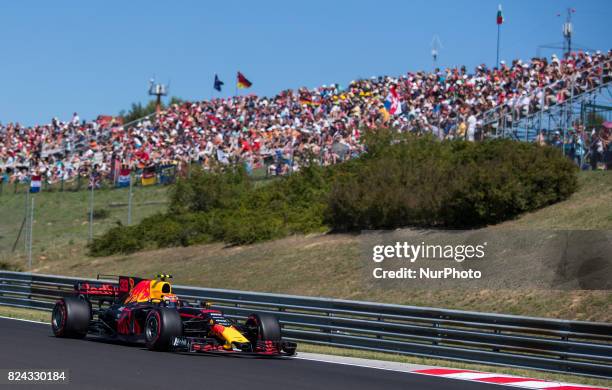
(100, 213)
(5, 266)
(402, 181)
(424, 182)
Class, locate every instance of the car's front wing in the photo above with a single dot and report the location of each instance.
(211, 345)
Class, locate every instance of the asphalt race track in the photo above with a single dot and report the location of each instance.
(95, 364)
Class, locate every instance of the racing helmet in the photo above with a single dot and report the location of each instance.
(170, 300)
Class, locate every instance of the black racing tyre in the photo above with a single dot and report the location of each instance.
(70, 318)
(263, 327)
(161, 327)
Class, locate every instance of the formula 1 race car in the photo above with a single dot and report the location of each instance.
(146, 310)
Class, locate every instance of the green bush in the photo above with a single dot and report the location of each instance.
(100, 214)
(4, 266)
(401, 181)
(424, 182)
(119, 239)
(206, 191)
(247, 226)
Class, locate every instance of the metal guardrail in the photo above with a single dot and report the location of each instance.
(576, 347)
(494, 114)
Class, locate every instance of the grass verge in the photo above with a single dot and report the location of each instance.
(43, 316)
(25, 314)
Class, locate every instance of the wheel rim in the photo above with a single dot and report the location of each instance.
(57, 318)
(254, 328)
(152, 328)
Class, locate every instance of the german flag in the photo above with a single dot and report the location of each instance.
(309, 102)
(305, 99)
(242, 82)
(148, 176)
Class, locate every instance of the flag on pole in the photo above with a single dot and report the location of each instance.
(500, 16)
(124, 177)
(242, 82)
(222, 157)
(35, 184)
(167, 174)
(94, 180)
(392, 103)
(218, 83)
(148, 176)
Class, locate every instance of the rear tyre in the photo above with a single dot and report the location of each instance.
(70, 318)
(161, 327)
(263, 327)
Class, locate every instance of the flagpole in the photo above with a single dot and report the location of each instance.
(499, 20)
(91, 206)
(130, 195)
(212, 90)
(30, 236)
(498, 33)
(26, 217)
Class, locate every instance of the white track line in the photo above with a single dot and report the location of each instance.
(24, 320)
(351, 364)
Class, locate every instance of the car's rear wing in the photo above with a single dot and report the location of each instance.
(105, 290)
(95, 289)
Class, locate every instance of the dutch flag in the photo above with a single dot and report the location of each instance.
(35, 183)
(124, 178)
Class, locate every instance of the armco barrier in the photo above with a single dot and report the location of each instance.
(576, 347)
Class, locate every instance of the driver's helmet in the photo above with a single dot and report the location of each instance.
(170, 300)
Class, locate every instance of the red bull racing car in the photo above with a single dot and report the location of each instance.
(146, 311)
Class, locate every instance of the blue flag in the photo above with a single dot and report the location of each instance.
(218, 83)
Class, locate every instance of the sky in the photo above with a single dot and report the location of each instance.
(97, 57)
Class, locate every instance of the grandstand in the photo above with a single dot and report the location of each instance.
(544, 100)
(585, 100)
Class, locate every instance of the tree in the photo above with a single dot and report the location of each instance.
(138, 111)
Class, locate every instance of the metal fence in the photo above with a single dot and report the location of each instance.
(576, 347)
(83, 181)
(524, 124)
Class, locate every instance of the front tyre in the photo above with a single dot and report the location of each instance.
(70, 318)
(161, 327)
(263, 327)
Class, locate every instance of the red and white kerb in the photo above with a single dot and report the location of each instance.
(501, 379)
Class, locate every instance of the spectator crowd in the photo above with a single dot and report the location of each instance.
(279, 132)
